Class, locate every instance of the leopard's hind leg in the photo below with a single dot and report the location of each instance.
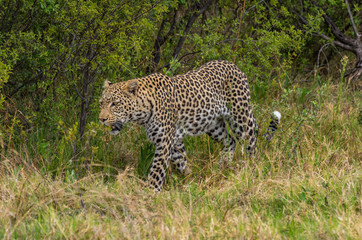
(178, 158)
(242, 120)
(218, 132)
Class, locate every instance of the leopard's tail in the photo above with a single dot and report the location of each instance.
(273, 125)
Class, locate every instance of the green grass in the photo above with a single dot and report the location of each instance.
(305, 184)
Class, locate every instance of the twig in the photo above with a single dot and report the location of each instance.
(353, 24)
(319, 53)
(237, 36)
(247, 10)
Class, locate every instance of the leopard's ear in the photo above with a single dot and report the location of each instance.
(131, 87)
(106, 84)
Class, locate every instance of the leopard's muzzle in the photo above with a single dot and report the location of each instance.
(116, 128)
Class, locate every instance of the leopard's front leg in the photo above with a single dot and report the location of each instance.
(159, 166)
(163, 137)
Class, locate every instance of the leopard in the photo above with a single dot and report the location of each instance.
(209, 100)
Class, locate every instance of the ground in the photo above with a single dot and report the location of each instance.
(305, 184)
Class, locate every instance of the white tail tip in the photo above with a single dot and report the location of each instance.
(277, 115)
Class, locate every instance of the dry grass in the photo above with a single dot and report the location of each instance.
(305, 184)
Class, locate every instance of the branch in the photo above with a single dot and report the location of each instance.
(238, 34)
(319, 53)
(345, 46)
(31, 80)
(169, 64)
(141, 14)
(160, 40)
(353, 24)
(305, 22)
(247, 10)
(188, 28)
(336, 32)
(344, 41)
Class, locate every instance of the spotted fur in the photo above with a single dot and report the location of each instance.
(197, 102)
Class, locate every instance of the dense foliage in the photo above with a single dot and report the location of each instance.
(55, 54)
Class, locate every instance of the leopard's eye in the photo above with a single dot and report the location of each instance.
(113, 104)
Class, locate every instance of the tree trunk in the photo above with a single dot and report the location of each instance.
(197, 13)
(356, 73)
(160, 40)
(85, 96)
(84, 106)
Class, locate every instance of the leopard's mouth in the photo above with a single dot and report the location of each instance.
(116, 128)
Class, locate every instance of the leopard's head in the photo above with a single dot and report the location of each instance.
(118, 104)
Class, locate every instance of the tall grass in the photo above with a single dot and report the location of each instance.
(305, 184)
